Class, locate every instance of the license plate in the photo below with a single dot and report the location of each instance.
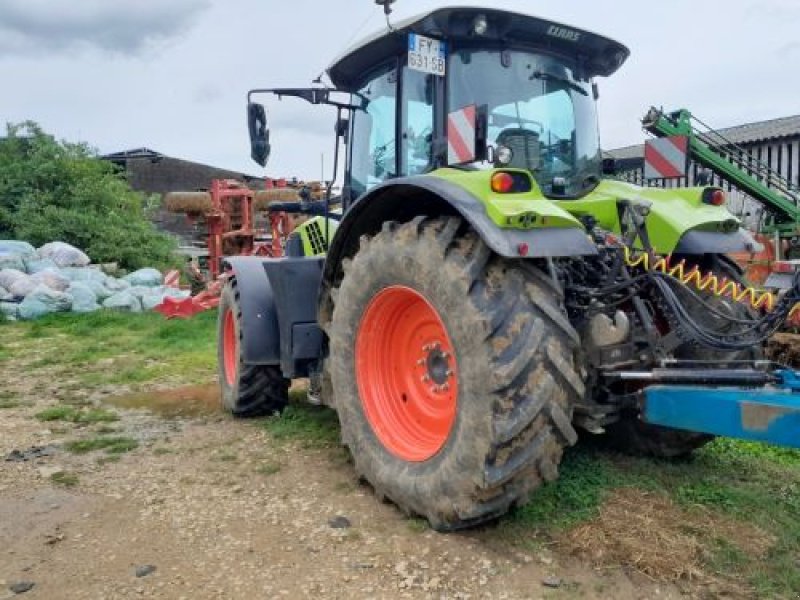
(427, 55)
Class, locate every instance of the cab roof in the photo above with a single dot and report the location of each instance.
(598, 55)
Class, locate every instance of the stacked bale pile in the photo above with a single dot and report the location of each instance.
(60, 278)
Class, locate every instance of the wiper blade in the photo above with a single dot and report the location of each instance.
(563, 80)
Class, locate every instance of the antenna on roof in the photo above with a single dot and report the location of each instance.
(387, 10)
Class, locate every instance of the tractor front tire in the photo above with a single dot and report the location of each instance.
(453, 372)
(246, 390)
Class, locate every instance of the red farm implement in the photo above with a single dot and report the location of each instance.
(226, 216)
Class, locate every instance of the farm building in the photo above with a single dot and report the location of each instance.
(151, 172)
(775, 143)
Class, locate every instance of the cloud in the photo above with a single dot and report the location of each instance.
(39, 27)
(789, 49)
(206, 93)
(781, 11)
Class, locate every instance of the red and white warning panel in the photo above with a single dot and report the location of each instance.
(666, 158)
(461, 135)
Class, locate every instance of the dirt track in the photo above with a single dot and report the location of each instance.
(224, 511)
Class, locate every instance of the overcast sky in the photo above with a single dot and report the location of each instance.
(171, 75)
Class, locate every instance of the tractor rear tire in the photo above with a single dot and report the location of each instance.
(246, 390)
(632, 435)
(453, 372)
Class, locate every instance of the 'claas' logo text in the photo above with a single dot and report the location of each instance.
(563, 33)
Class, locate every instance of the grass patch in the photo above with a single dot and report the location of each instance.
(64, 478)
(56, 413)
(312, 426)
(417, 525)
(226, 457)
(107, 347)
(586, 476)
(269, 468)
(752, 484)
(112, 445)
(76, 415)
(8, 404)
(106, 429)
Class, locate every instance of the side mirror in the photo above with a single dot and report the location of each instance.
(342, 129)
(609, 166)
(259, 133)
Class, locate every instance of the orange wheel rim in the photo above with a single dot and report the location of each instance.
(406, 373)
(230, 347)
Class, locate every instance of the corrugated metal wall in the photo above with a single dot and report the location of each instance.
(780, 155)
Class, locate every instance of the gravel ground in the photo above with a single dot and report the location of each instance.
(208, 507)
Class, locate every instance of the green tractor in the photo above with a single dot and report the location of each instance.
(488, 292)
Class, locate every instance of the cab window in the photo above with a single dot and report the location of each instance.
(373, 158)
(417, 127)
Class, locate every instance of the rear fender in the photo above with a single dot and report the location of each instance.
(678, 221)
(278, 300)
(259, 318)
(404, 198)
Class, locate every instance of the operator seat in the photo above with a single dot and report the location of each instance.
(526, 151)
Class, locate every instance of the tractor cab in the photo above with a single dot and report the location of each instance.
(476, 88)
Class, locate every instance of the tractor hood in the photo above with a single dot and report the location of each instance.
(595, 54)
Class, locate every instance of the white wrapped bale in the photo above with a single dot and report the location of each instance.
(145, 277)
(23, 249)
(140, 291)
(99, 290)
(9, 311)
(43, 301)
(52, 278)
(116, 285)
(35, 265)
(84, 274)
(63, 254)
(9, 260)
(123, 301)
(84, 300)
(150, 301)
(9, 276)
(23, 286)
(5, 295)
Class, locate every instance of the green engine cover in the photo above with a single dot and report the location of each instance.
(673, 212)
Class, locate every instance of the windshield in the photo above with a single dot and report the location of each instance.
(538, 110)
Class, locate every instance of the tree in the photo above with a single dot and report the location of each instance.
(52, 190)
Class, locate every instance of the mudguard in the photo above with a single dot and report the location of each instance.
(678, 220)
(295, 287)
(278, 301)
(259, 318)
(406, 197)
(716, 242)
